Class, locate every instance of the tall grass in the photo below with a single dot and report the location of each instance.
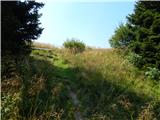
(108, 87)
(109, 81)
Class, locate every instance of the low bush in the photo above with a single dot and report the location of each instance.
(153, 73)
(135, 59)
(75, 46)
(10, 108)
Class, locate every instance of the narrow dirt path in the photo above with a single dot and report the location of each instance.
(73, 96)
(71, 93)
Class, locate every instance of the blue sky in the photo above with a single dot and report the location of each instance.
(91, 22)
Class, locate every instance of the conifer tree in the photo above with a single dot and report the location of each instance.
(20, 25)
(141, 33)
(145, 23)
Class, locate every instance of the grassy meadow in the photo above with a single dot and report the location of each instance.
(107, 87)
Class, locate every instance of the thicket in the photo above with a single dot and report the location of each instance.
(140, 36)
(74, 45)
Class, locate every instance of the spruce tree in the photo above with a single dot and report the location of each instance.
(141, 34)
(20, 25)
(145, 24)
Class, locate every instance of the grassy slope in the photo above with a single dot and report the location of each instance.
(107, 86)
(110, 88)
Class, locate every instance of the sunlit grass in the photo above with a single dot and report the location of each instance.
(115, 69)
(43, 45)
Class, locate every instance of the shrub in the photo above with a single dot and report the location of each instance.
(135, 59)
(75, 46)
(10, 108)
(153, 73)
